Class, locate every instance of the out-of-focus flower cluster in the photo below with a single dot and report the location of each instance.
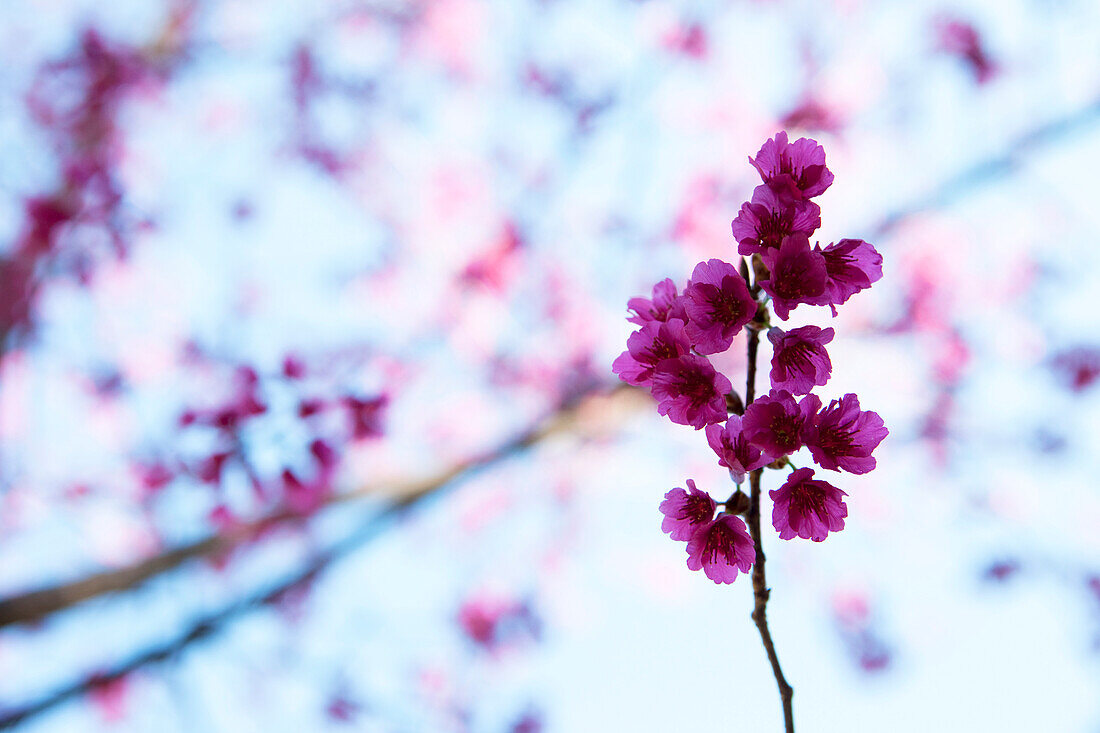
(680, 330)
(330, 420)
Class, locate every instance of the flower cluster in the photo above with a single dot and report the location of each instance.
(679, 330)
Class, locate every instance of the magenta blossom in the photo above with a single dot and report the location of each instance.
(774, 423)
(493, 621)
(807, 508)
(366, 415)
(851, 265)
(842, 437)
(798, 275)
(721, 548)
(797, 167)
(762, 223)
(647, 347)
(718, 306)
(686, 512)
(1077, 368)
(663, 305)
(690, 391)
(961, 39)
(734, 451)
(799, 359)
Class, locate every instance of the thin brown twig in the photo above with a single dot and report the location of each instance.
(750, 381)
(759, 581)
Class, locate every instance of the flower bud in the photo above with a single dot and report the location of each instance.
(738, 503)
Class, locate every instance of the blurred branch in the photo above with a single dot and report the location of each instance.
(34, 605)
(992, 168)
(38, 604)
(588, 405)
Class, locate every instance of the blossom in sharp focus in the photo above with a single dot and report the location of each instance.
(851, 265)
(721, 549)
(763, 222)
(690, 391)
(842, 437)
(647, 347)
(807, 508)
(774, 423)
(799, 359)
(663, 305)
(718, 305)
(733, 449)
(686, 511)
(797, 275)
(798, 167)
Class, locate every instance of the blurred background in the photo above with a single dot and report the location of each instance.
(308, 310)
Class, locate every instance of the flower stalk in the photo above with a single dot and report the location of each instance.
(760, 590)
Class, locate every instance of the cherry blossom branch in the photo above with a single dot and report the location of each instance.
(678, 332)
(38, 604)
(759, 582)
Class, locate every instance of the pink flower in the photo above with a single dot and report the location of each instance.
(842, 437)
(209, 471)
(305, 497)
(647, 347)
(690, 391)
(798, 275)
(153, 476)
(531, 722)
(762, 223)
(718, 306)
(799, 359)
(689, 39)
(1078, 368)
(961, 39)
(774, 423)
(811, 114)
(109, 694)
(293, 367)
(246, 404)
(664, 304)
(734, 451)
(342, 709)
(851, 265)
(493, 621)
(327, 459)
(721, 548)
(798, 167)
(686, 512)
(807, 508)
(366, 415)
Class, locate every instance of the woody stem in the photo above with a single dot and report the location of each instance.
(759, 582)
